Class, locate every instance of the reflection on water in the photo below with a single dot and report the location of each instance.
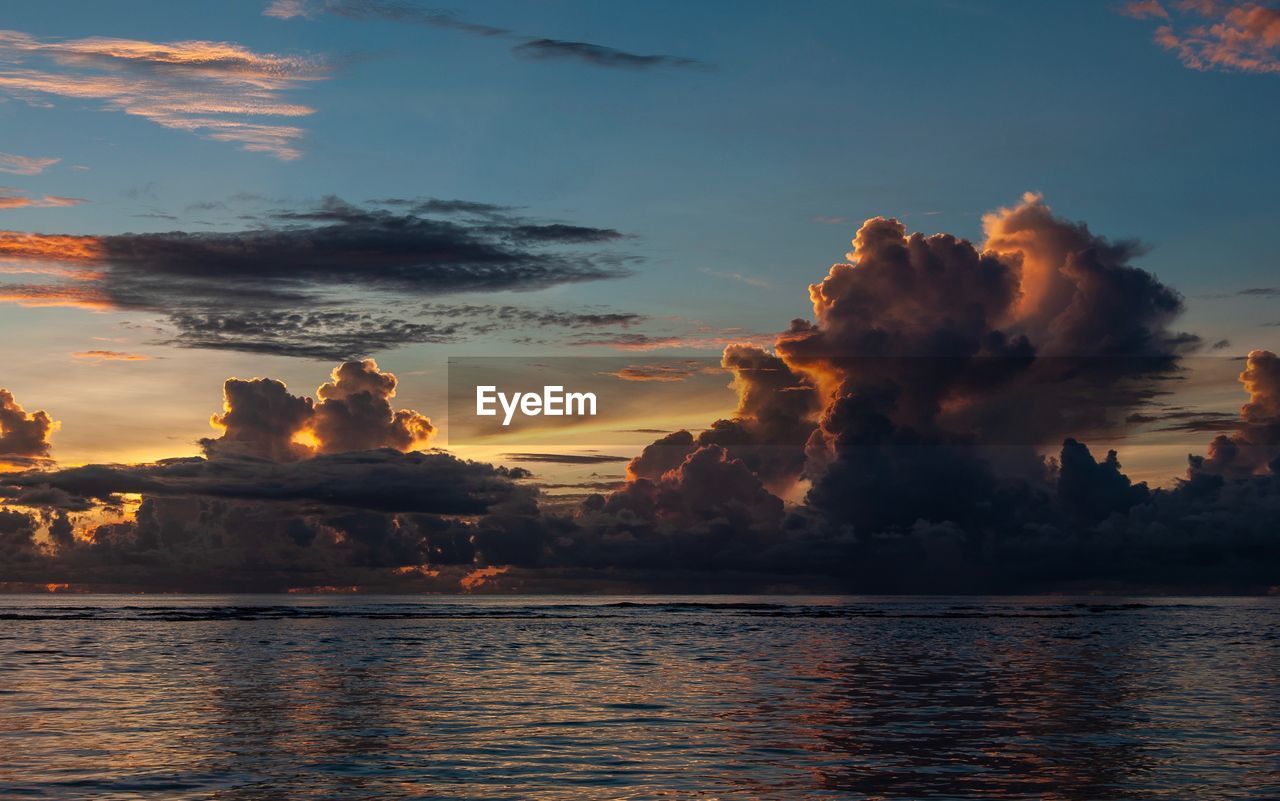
(262, 697)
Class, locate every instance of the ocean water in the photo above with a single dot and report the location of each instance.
(266, 697)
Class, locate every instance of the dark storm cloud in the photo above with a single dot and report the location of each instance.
(382, 480)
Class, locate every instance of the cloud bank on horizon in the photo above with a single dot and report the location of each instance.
(885, 444)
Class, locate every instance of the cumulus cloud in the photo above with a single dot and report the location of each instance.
(354, 412)
(260, 418)
(24, 436)
(1215, 34)
(1255, 445)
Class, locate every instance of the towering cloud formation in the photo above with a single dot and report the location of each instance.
(927, 352)
(262, 419)
(24, 436)
(354, 412)
(768, 431)
(1255, 446)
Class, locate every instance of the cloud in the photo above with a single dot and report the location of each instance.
(914, 428)
(354, 412)
(322, 335)
(564, 458)
(364, 10)
(24, 436)
(598, 55)
(1144, 9)
(530, 47)
(217, 90)
(381, 481)
(25, 165)
(328, 265)
(109, 356)
(739, 277)
(11, 198)
(262, 419)
(1216, 35)
(662, 373)
(1255, 445)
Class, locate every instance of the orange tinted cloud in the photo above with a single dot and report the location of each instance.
(41, 296)
(37, 248)
(479, 577)
(11, 198)
(109, 356)
(24, 165)
(1213, 35)
(198, 86)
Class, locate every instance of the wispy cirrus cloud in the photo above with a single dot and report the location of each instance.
(11, 198)
(25, 165)
(217, 90)
(1214, 35)
(108, 356)
(529, 47)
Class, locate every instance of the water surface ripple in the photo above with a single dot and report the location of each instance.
(268, 697)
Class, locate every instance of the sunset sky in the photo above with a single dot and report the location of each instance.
(268, 188)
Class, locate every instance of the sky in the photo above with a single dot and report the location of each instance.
(269, 188)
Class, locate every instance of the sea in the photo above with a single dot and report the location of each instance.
(645, 697)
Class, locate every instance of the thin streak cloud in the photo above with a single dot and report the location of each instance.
(25, 165)
(530, 47)
(211, 89)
